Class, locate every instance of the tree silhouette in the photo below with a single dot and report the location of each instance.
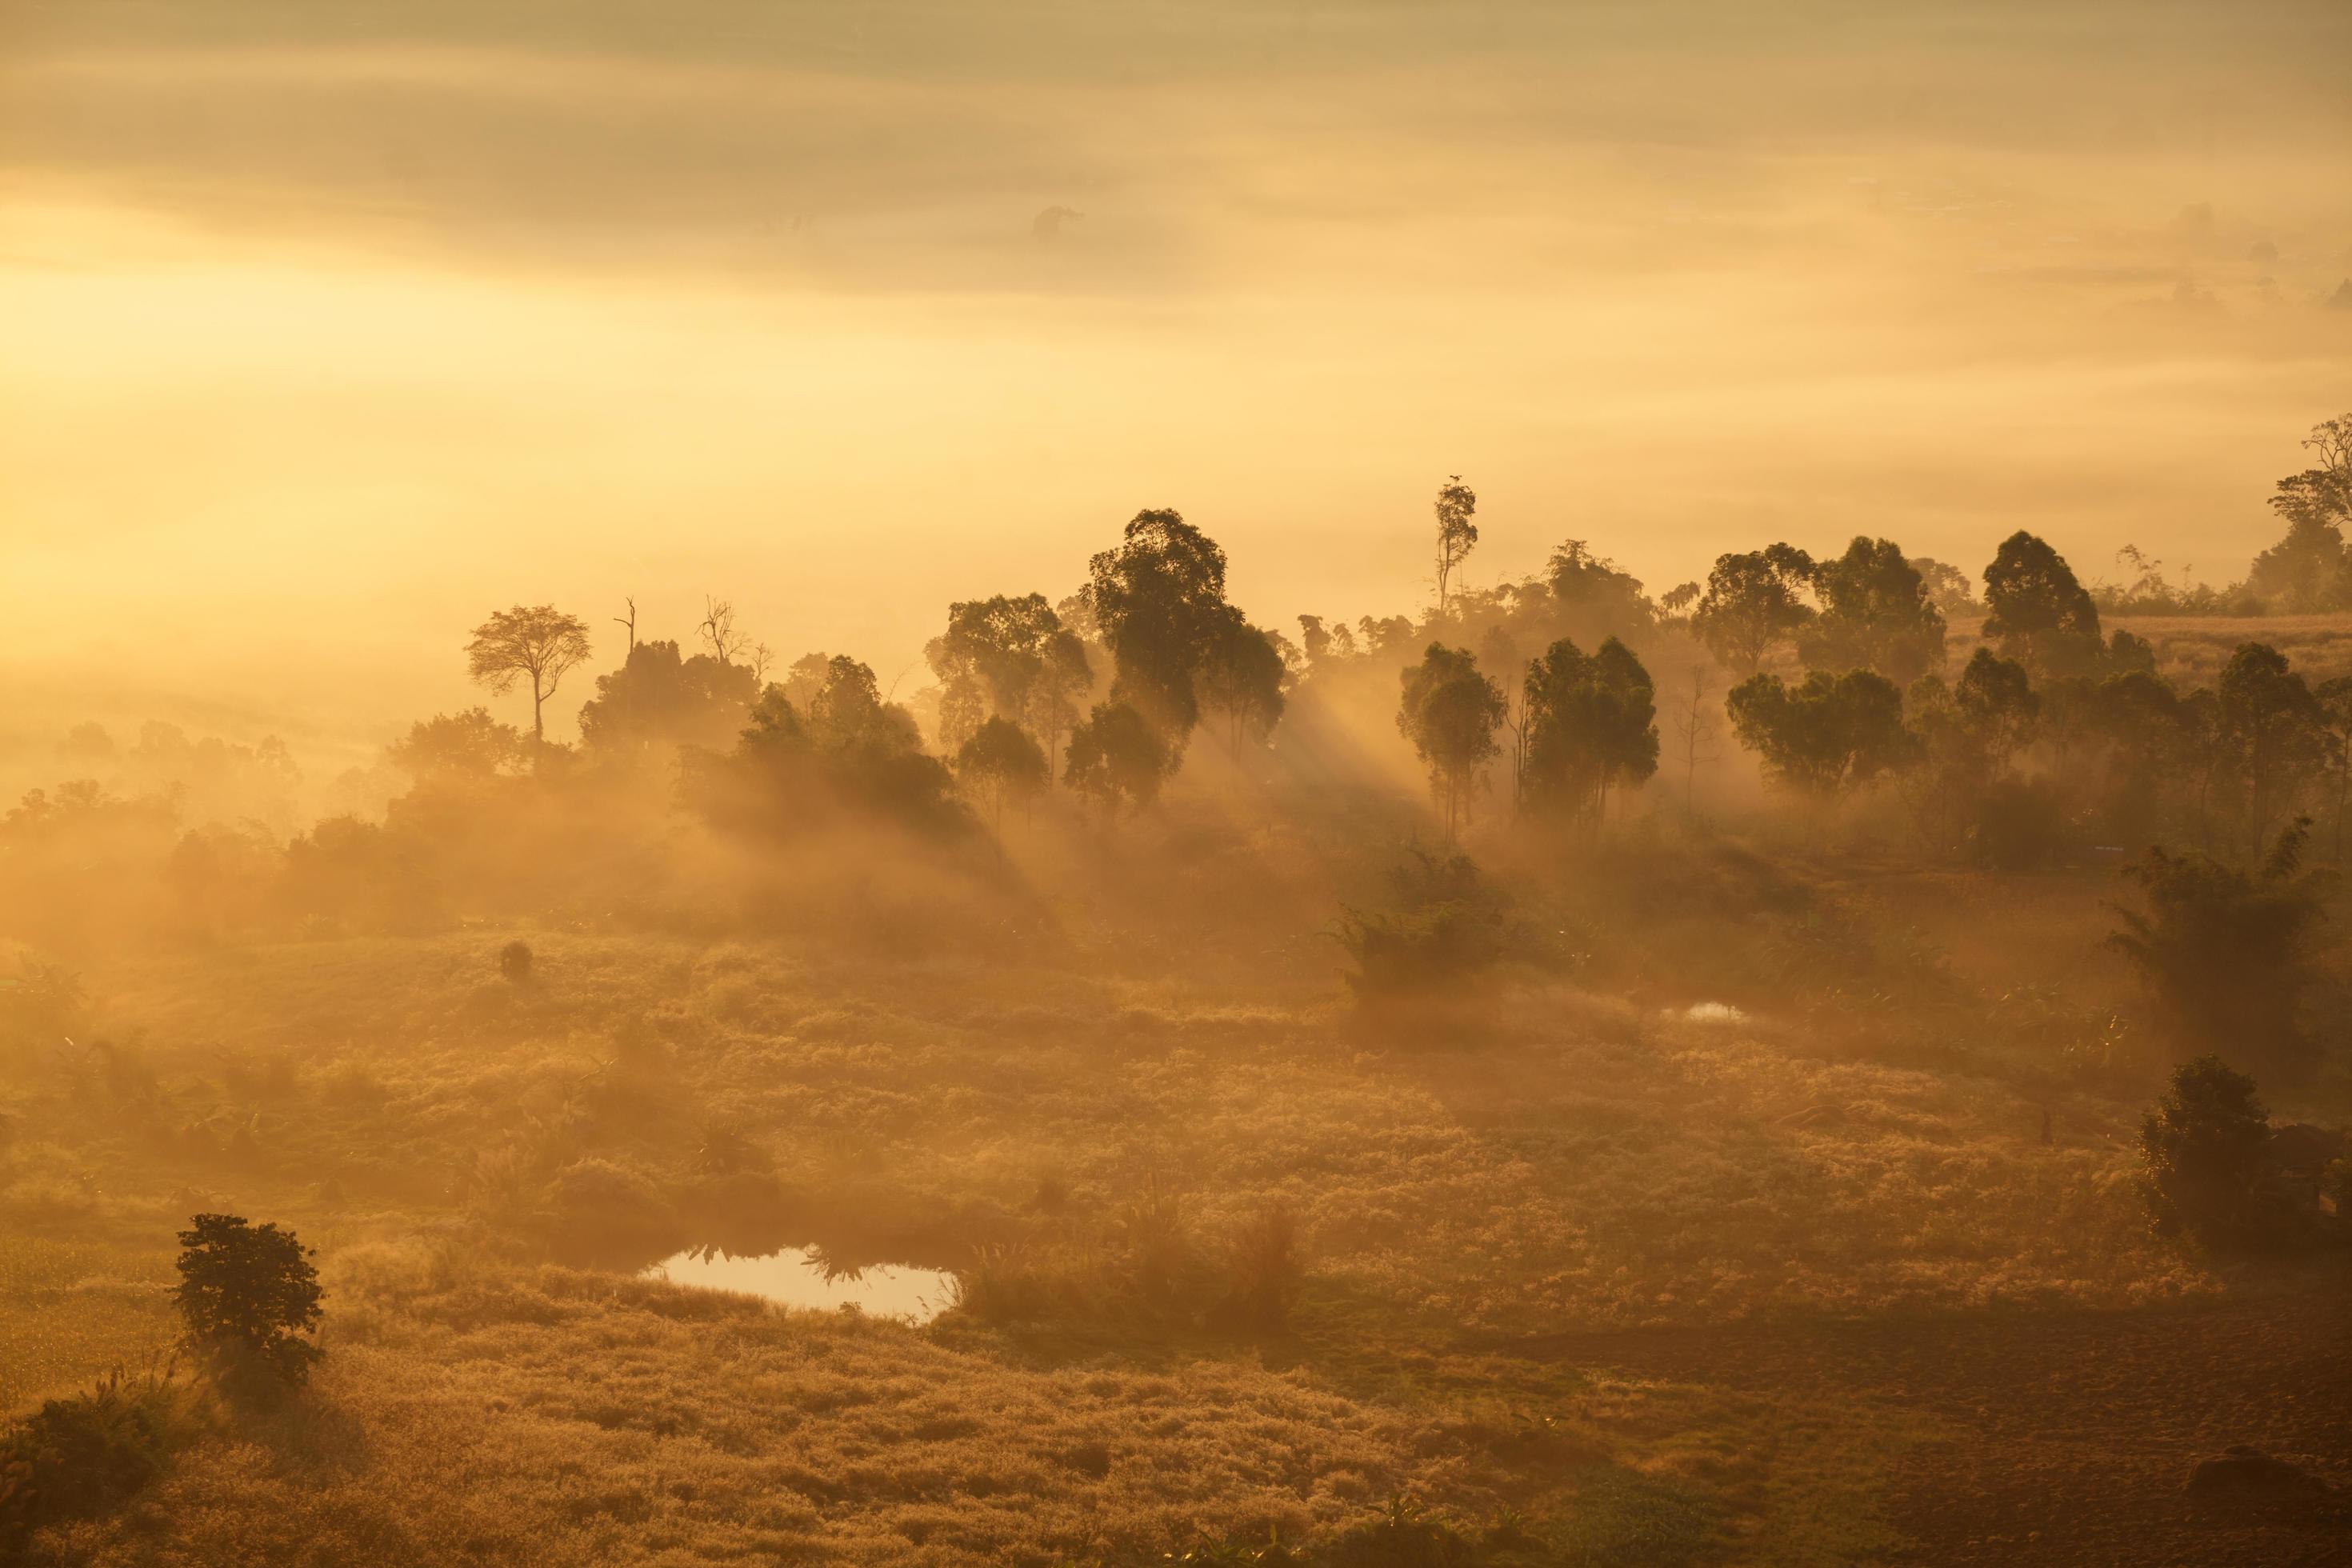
(658, 700)
(2037, 613)
(250, 1289)
(538, 641)
(1457, 535)
(1752, 603)
(998, 763)
(2206, 1166)
(1007, 658)
(1117, 755)
(1591, 723)
(2271, 733)
(1158, 599)
(1450, 712)
(468, 746)
(1826, 736)
(1241, 680)
(1876, 614)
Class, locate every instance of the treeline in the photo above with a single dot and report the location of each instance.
(1534, 696)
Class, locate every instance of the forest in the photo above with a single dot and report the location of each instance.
(1841, 1059)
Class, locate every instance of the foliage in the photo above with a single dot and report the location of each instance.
(250, 1289)
(659, 700)
(1876, 614)
(851, 752)
(1753, 602)
(1591, 723)
(1457, 535)
(1158, 599)
(514, 961)
(458, 748)
(1450, 711)
(2206, 1168)
(2228, 954)
(78, 1456)
(1117, 758)
(1827, 736)
(1000, 762)
(534, 642)
(2037, 612)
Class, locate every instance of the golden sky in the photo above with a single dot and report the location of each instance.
(329, 328)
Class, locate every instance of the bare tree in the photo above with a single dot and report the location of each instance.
(761, 657)
(537, 641)
(1694, 725)
(1456, 535)
(630, 621)
(717, 629)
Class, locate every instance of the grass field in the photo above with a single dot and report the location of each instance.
(1855, 1138)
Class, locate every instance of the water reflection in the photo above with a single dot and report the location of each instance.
(804, 1277)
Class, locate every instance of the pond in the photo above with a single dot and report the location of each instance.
(803, 1277)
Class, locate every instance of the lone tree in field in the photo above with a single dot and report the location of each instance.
(2037, 612)
(538, 641)
(2206, 1166)
(1450, 712)
(1752, 603)
(1000, 762)
(248, 1289)
(1457, 535)
(1826, 736)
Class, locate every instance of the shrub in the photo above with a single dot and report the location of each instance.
(2228, 954)
(251, 1292)
(605, 1212)
(2206, 1168)
(514, 961)
(76, 1458)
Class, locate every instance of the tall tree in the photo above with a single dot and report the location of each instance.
(1158, 599)
(1457, 535)
(1695, 728)
(2038, 613)
(1450, 712)
(1826, 736)
(1753, 600)
(1591, 723)
(1876, 614)
(537, 641)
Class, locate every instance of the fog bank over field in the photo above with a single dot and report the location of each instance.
(324, 331)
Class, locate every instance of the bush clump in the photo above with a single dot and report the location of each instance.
(76, 1458)
(248, 1294)
(2206, 1167)
(515, 960)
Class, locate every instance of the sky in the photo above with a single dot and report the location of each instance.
(326, 329)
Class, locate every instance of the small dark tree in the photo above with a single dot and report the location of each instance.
(248, 1289)
(2228, 955)
(2206, 1166)
(1241, 679)
(514, 961)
